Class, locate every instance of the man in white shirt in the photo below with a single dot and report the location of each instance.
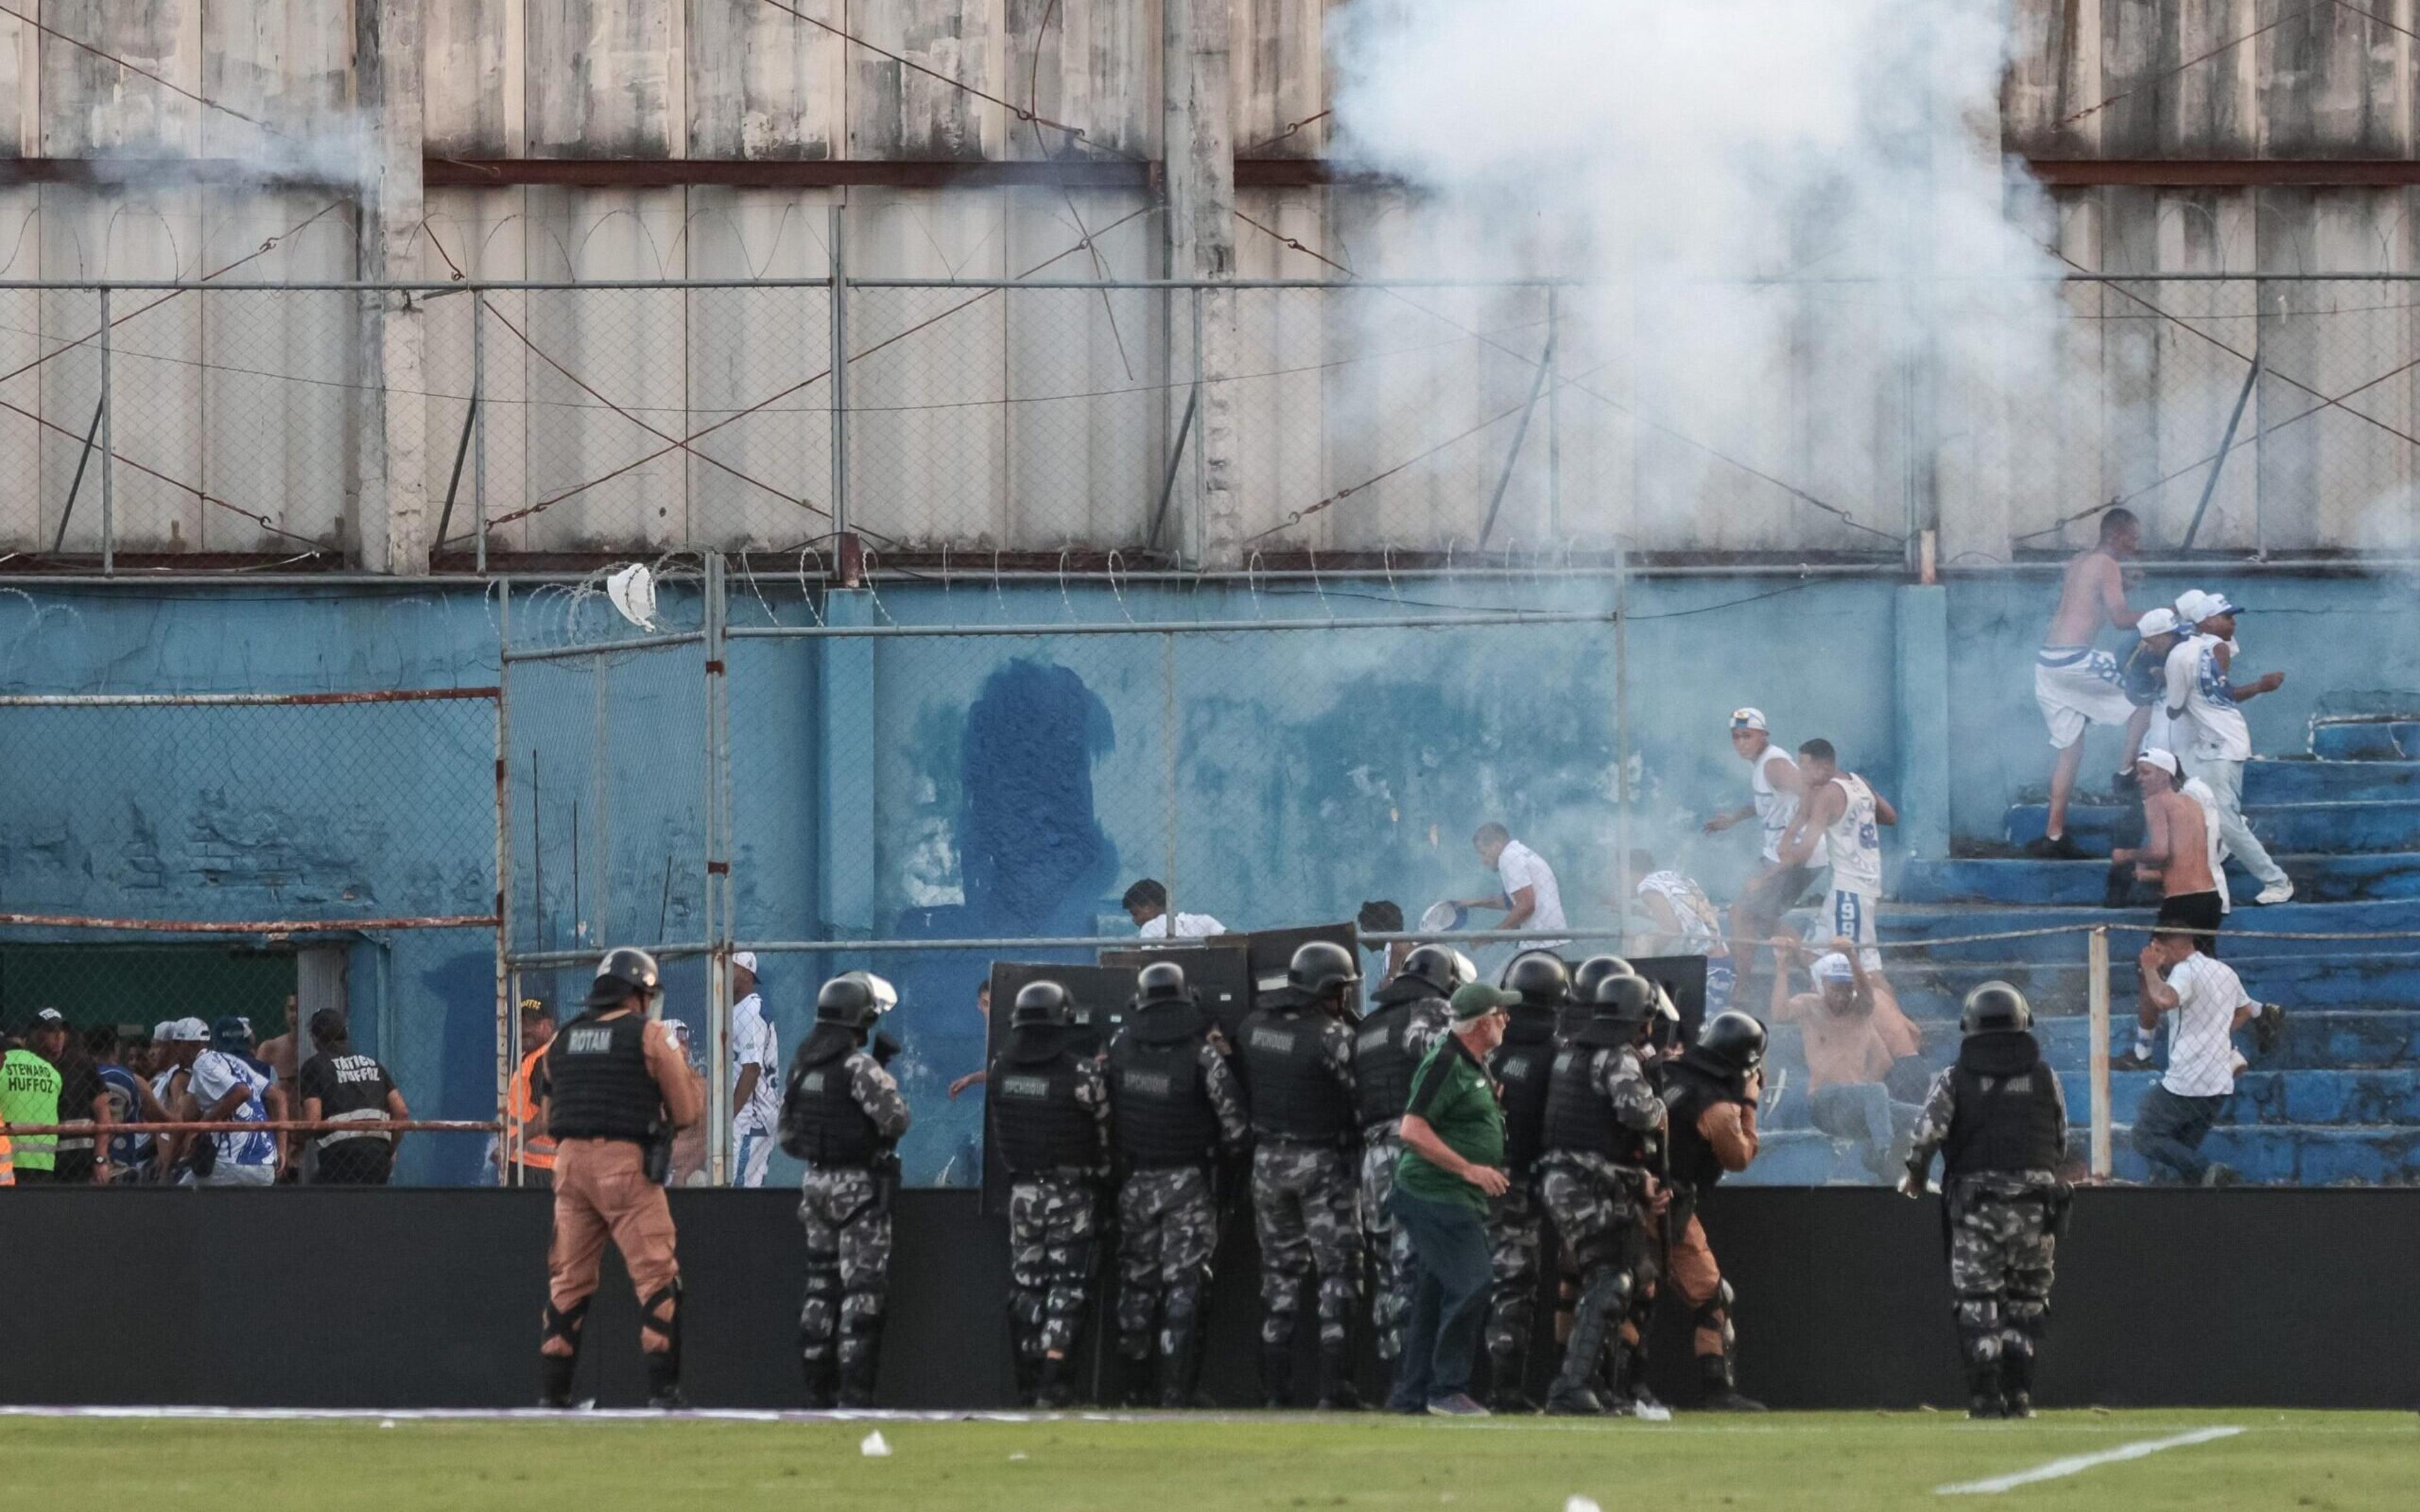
(228, 1087)
(1775, 786)
(756, 1065)
(1682, 920)
(2208, 1004)
(1528, 897)
(2202, 699)
(1146, 904)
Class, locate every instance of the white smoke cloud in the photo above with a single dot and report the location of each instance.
(1691, 156)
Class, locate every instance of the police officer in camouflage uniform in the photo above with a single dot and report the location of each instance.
(1711, 1091)
(1051, 1122)
(1407, 1018)
(1999, 1120)
(843, 1114)
(1604, 1140)
(1174, 1104)
(1298, 1065)
(1523, 1065)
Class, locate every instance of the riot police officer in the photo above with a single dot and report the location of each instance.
(1175, 1105)
(620, 1086)
(1585, 978)
(1407, 1018)
(1603, 1143)
(1999, 1120)
(1523, 1065)
(1050, 1118)
(842, 1114)
(1710, 1095)
(1298, 1064)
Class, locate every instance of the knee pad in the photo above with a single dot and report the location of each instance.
(565, 1323)
(823, 1274)
(1715, 1314)
(1610, 1289)
(661, 1313)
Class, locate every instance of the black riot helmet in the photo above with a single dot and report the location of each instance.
(1733, 1042)
(1162, 982)
(1993, 1008)
(1627, 1000)
(1040, 1005)
(1596, 969)
(1441, 966)
(1322, 968)
(625, 973)
(855, 999)
(1541, 978)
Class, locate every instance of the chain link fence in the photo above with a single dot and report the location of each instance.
(1203, 424)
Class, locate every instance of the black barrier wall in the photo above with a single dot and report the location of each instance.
(347, 1298)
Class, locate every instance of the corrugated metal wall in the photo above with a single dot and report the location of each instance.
(1039, 421)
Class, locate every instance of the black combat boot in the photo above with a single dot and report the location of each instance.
(857, 1379)
(554, 1378)
(663, 1381)
(1058, 1382)
(1336, 1392)
(1983, 1389)
(822, 1378)
(1180, 1373)
(1508, 1382)
(1574, 1392)
(1028, 1378)
(1277, 1375)
(1722, 1393)
(2017, 1378)
(1140, 1390)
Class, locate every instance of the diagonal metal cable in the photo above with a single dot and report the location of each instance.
(2168, 74)
(802, 385)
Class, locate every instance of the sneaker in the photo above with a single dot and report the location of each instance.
(2268, 1028)
(1457, 1405)
(2130, 1061)
(669, 1399)
(2277, 892)
(2058, 848)
(2221, 1174)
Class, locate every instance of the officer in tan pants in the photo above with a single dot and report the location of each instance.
(620, 1086)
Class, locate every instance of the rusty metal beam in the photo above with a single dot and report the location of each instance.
(1110, 174)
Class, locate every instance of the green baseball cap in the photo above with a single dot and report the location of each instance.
(1477, 999)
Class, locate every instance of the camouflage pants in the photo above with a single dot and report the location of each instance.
(1393, 1273)
(1166, 1228)
(1603, 1241)
(848, 1263)
(1303, 1198)
(2001, 1250)
(1516, 1238)
(1050, 1234)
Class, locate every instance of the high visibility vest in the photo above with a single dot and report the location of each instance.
(538, 1153)
(29, 1093)
(8, 1161)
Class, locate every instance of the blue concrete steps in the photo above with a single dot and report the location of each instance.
(1929, 990)
(2303, 779)
(2332, 878)
(2366, 740)
(2313, 1042)
(1920, 923)
(2309, 828)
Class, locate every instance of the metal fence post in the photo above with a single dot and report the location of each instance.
(108, 451)
(1167, 741)
(837, 239)
(1554, 413)
(478, 432)
(717, 892)
(508, 1013)
(2096, 966)
(1201, 447)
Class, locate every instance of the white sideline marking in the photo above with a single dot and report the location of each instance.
(2071, 1465)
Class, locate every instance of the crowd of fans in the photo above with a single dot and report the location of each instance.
(97, 1087)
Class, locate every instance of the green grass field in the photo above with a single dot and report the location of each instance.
(1785, 1462)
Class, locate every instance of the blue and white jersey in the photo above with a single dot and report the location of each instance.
(1853, 844)
(217, 1073)
(125, 1106)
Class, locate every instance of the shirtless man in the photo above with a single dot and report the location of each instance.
(1848, 1054)
(2077, 685)
(1773, 787)
(2178, 850)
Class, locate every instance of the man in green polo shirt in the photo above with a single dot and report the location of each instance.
(29, 1093)
(1452, 1163)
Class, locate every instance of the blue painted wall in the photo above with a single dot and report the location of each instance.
(968, 786)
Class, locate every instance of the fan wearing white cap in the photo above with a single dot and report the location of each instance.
(2145, 677)
(2180, 849)
(1775, 786)
(2204, 708)
(2075, 684)
(756, 1065)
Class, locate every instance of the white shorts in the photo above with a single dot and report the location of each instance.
(2077, 685)
(1855, 920)
(751, 1150)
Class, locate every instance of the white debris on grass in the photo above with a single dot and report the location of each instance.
(1580, 1504)
(875, 1446)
